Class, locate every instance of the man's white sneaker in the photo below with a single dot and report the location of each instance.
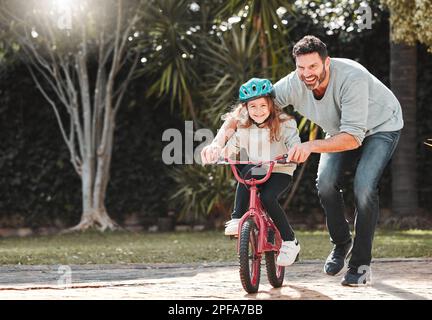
(288, 253)
(231, 227)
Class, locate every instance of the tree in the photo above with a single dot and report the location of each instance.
(265, 19)
(243, 38)
(80, 59)
(173, 38)
(231, 58)
(403, 76)
(410, 22)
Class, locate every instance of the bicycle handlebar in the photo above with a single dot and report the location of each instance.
(280, 159)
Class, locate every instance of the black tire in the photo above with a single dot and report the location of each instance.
(250, 263)
(275, 273)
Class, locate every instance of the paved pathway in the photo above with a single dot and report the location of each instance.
(391, 279)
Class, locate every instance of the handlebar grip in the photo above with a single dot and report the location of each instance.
(282, 159)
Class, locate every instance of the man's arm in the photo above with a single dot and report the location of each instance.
(338, 143)
(352, 128)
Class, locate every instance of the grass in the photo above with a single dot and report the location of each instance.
(183, 247)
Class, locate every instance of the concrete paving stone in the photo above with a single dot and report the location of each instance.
(391, 279)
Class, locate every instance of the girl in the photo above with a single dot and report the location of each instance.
(263, 133)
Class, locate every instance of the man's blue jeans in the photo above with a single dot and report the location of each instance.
(369, 161)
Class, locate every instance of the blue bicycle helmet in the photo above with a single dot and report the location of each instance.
(255, 88)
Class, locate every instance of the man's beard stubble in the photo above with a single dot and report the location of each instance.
(316, 84)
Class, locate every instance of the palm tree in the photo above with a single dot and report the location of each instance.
(231, 59)
(230, 54)
(407, 27)
(177, 30)
(264, 18)
(404, 169)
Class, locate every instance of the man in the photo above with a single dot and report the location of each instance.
(362, 119)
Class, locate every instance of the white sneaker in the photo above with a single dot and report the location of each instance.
(231, 227)
(288, 253)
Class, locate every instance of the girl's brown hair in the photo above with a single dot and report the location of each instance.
(273, 122)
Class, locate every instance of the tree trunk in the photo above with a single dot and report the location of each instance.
(95, 217)
(403, 75)
(94, 211)
(94, 185)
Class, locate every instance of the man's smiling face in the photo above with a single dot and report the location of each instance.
(311, 69)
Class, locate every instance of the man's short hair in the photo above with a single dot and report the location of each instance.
(310, 44)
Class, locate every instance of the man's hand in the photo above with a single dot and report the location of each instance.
(210, 153)
(299, 153)
(341, 142)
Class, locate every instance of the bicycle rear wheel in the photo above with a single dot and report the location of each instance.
(250, 262)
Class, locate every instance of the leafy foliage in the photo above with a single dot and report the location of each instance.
(411, 21)
(203, 191)
(231, 59)
(37, 179)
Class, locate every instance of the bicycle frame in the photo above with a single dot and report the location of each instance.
(256, 210)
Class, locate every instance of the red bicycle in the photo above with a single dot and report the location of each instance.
(257, 233)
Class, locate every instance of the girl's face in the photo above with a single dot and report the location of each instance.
(258, 109)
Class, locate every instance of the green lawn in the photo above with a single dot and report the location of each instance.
(183, 247)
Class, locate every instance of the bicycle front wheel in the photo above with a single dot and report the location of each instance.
(250, 261)
(275, 273)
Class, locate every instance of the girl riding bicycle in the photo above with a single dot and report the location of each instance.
(263, 133)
